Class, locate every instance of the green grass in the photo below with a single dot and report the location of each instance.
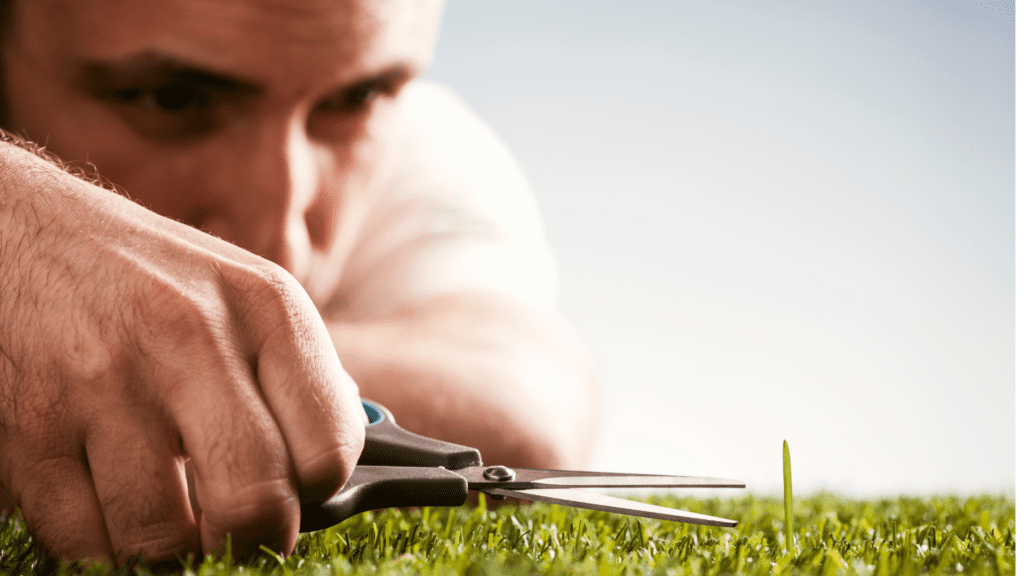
(939, 535)
(787, 495)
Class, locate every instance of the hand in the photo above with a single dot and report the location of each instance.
(131, 344)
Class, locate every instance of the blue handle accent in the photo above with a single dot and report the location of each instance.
(373, 413)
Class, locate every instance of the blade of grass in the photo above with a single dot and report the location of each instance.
(787, 482)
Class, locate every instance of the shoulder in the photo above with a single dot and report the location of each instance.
(431, 110)
(451, 155)
(455, 214)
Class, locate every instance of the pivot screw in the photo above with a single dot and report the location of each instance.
(500, 474)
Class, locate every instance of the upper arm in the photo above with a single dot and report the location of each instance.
(457, 216)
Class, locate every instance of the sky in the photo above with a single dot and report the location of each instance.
(787, 220)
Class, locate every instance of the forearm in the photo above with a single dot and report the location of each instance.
(481, 371)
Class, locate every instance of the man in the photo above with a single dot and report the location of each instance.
(299, 198)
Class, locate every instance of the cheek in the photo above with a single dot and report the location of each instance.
(223, 175)
(40, 102)
(42, 106)
(352, 172)
(81, 135)
(33, 95)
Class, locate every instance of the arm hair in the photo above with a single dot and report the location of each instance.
(88, 173)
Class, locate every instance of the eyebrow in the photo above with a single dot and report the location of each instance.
(397, 73)
(152, 69)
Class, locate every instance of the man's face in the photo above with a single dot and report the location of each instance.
(252, 119)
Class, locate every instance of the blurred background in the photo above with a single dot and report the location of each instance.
(777, 220)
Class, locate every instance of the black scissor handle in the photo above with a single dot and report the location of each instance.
(376, 487)
(387, 444)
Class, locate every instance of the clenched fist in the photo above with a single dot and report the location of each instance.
(131, 345)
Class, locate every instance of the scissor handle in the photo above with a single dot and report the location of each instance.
(388, 444)
(376, 487)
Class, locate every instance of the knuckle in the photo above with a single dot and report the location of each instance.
(89, 354)
(276, 290)
(324, 466)
(134, 519)
(276, 276)
(267, 298)
(324, 475)
(156, 542)
(259, 512)
(271, 285)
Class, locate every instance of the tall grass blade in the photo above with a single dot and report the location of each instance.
(787, 482)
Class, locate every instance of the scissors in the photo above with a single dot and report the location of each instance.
(398, 469)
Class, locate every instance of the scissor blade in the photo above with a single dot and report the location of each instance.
(526, 478)
(605, 503)
(636, 481)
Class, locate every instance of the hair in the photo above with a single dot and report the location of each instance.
(86, 172)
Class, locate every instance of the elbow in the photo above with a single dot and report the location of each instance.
(565, 432)
(554, 417)
(565, 449)
(527, 392)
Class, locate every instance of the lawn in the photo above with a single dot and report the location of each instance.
(937, 535)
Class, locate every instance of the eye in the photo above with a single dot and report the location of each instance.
(175, 97)
(169, 112)
(361, 95)
(354, 100)
(343, 115)
(172, 98)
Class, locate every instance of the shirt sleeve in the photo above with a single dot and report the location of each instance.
(457, 216)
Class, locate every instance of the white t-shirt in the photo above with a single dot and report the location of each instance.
(454, 214)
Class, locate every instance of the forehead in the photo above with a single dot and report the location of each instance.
(254, 38)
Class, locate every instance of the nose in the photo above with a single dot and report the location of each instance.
(270, 195)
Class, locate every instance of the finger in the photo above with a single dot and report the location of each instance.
(63, 514)
(317, 408)
(7, 503)
(316, 404)
(244, 484)
(139, 474)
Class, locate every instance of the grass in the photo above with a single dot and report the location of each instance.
(787, 491)
(938, 535)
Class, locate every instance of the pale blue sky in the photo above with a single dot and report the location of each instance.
(793, 220)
